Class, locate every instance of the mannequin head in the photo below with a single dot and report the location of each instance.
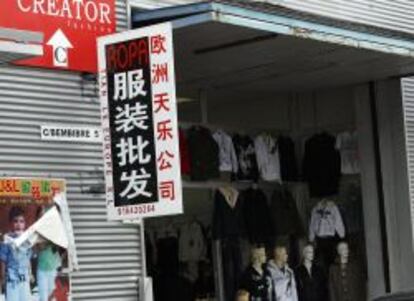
(258, 256)
(242, 295)
(308, 253)
(343, 251)
(280, 255)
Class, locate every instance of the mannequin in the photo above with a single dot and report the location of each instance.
(256, 279)
(310, 278)
(242, 295)
(346, 280)
(283, 278)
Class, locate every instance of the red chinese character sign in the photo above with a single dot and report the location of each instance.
(70, 29)
(139, 120)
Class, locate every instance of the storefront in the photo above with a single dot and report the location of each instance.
(261, 70)
(244, 70)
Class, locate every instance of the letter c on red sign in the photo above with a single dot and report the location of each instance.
(22, 7)
(61, 55)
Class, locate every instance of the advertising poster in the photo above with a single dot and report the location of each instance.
(139, 123)
(35, 240)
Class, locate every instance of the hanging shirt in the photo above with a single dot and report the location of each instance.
(267, 157)
(191, 244)
(285, 215)
(228, 218)
(246, 158)
(322, 165)
(227, 154)
(184, 153)
(204, 154)
(258, 220)
(347, 145)
(326, 221)
(288, 162)
(283, 282)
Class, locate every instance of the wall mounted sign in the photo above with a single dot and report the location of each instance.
(70, 29)
(139, 120)
(71, 133)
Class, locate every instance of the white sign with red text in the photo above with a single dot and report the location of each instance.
(139, 123)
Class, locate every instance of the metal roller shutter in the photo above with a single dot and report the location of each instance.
(408, 99)
(109, 253)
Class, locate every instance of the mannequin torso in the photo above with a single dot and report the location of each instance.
(346, 281)
(256, 279)
(310, 278)
(311, 282)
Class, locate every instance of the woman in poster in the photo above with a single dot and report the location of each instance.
(48, 263)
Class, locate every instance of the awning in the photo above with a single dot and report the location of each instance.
(244, 45)
(19, 44)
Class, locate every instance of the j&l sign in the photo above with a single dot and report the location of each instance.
(70, 29)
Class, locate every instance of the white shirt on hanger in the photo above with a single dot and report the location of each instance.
(268, 160)
(228, 158)
(326, 221)
(347, 145)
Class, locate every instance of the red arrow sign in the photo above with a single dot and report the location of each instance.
(70, 29)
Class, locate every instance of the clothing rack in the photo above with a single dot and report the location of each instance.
(235, 128)
(337, 129)
(238, 185)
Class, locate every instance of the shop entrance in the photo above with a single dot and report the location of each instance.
(278, 149)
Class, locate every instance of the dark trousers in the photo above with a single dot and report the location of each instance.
(326, 251)
(232, 266)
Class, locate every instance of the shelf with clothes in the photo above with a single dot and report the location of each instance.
(254, 131)
(213, 185)
(211, 154)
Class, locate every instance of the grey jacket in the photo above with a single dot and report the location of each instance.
(284, 284)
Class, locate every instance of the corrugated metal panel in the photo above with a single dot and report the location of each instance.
(396, 14)
(122, 18)
(109, 253)
(408, 99)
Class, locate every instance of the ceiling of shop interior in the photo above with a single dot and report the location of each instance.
(222, 56)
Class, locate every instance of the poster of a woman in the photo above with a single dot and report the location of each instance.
(34, 261)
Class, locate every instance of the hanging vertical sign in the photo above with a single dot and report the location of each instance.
(139, 123)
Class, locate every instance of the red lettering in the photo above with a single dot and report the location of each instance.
(128, 55)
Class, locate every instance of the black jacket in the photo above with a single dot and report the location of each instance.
(322, 165)
(259, 225)
(285, 215)
(258, 286)
(288, 163)
(204, 154)
(228, 222)
(312, 287)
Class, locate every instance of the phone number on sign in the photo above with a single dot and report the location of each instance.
(138, 209)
